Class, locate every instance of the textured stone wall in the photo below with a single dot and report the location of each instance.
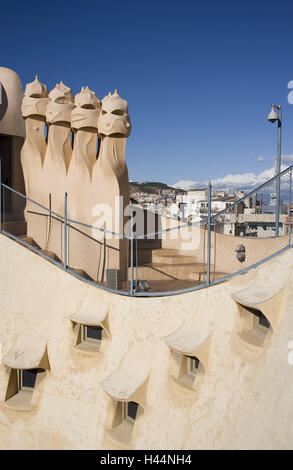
(239, 402)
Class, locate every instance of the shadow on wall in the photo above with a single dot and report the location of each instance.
(3, 101)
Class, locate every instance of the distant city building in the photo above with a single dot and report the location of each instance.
(252, 217)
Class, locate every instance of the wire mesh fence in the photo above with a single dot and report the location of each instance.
(94, 251)
(159, 255)
(252, 229)
(32, 224)
(172, 259)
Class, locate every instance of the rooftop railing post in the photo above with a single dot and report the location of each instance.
(215, 248)
(289, 208)
(278, 185)
(209, 233)
(65, 231)
(136, 259)
(204, 252)
(0, 194)
(127, 262)
(273, 117)
(131, 253)
(105, 252)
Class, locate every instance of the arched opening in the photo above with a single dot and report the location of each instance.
(255, 327)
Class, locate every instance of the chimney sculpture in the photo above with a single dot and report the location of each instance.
(110, 178)
(59, 150)
(84, 123)
(85, 252)
(33, 109)
(97, 188)
(33, 151)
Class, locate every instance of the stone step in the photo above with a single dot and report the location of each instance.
(169, 256)
(29, 241)
(159, 271)
(52, 255)
(166, 252)
(184, 271)
(81, 273)
(201, 277)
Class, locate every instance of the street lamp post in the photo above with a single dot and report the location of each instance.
(273, 117)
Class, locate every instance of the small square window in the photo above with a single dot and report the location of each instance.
(193, 364)
(89, 338)
(92, 334)
(20, 388)
(261, 321)
(26, 379)
(255, 326)
(130, 411)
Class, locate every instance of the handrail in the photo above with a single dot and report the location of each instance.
(119, 235)
(150, 234)
(253, 191)
(203, 278)
(31, 200)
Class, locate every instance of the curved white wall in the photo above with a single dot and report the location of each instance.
(238, 403)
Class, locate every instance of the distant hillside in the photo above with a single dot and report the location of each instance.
(151, 187)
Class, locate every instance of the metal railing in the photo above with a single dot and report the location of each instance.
(148, 261)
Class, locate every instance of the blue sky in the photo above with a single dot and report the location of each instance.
(199, 77)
